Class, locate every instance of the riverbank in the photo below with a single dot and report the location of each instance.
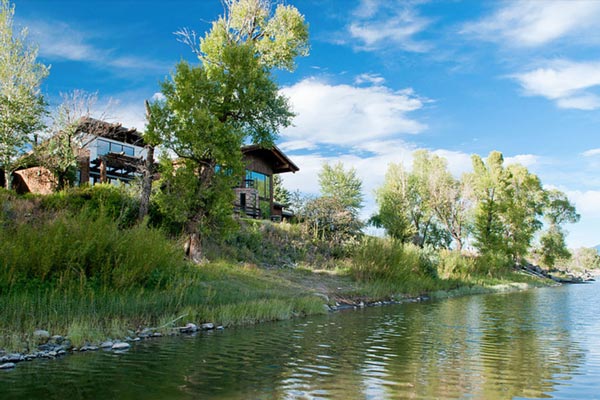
(77, 266)
(222, 296)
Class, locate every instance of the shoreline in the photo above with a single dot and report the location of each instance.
(57, 346)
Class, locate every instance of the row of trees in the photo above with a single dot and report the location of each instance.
(498, 209)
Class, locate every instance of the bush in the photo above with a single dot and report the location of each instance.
(453, 264)
(112, 201)
(85, 248)
(391, 260)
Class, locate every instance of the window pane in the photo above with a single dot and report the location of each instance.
(103, 147)
(128, 151)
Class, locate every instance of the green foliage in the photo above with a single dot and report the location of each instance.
(391, 260)
(277, 39)
(205, 120)
(345, 186)
(21, 104)
(553, 246)
(101, 199)
(582, 259)
(275, 245)
(509, 204)
(393, 201)
(453, 264)
(84, 248)
(280, 193)
(329, 219)
(59, 152)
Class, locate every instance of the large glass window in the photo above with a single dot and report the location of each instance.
(105, 147)
(259, 181)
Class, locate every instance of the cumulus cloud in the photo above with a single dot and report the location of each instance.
(566, 82)
(586, 202)
(526, 160)
(349, 115)
(392, 23)
(535, 23)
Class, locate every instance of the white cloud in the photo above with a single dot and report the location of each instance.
(297, 145)
(390, 23)
(586, 202)
(584, 102)
(374, 79)
(458, 162)
(158, 97)
(565, 82)
(526, 160)
(59, 41)
(591, 153)
(348, 115)
(535, 23)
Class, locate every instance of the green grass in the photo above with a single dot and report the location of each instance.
(75, 264)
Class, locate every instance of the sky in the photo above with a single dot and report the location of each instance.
(383, 78)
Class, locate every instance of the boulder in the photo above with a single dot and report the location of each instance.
(107, 344)
(41, 336)
(121, 346)
(188, 328)
(207, 326)
(8, 365)
(89, 348)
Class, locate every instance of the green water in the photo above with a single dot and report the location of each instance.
(542, 343)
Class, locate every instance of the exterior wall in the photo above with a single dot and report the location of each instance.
(252, 202)
(37, 180)
(257, 164)
(90, 152)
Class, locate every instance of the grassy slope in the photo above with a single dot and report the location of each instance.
(89, 276)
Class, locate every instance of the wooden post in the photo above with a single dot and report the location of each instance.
(103, 170)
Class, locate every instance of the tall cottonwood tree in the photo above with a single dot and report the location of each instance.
(393, 199)
(21, 104)
(342, 184)
(443, 197)
(489, 181)
(211, 109)
(558, 211)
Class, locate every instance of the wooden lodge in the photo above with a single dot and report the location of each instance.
(254, 196)
(111, 153)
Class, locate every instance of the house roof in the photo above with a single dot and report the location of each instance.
(281, 163)
(108, 130)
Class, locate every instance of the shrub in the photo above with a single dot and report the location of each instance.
(82, 248)
(391, 260)
(112, 201)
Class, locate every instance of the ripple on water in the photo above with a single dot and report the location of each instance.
(523, 345)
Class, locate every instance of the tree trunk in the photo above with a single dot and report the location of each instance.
(193, 248)
(147, 176)
(8, 179)
(103, 177)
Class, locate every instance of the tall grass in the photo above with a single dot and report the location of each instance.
(84, 248)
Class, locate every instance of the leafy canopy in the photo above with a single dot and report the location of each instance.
(21, 104)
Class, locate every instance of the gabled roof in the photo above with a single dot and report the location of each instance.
(108, 130)
(280, 162)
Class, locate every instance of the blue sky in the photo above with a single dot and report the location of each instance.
(383, 78)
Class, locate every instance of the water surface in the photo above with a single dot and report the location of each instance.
(541, 343)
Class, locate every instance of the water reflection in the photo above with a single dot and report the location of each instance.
(530, 345)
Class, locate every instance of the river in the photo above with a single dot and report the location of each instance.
(540, 343)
